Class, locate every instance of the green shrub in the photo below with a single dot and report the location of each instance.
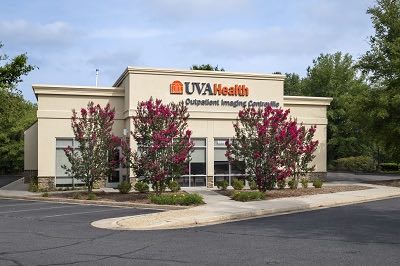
(223, 184)
(253, 185)
(33, 185)
(177, 199)
(76, 196)
(125, 187)
(91, 196)
(317, 183)
(281, 183)
(388, 167)
(174, 186)
(304, 182)
(271, 184)
(293, 183)
(45, 194)
(356, 164)
(248, 195)
(141, 187)
(237, 184)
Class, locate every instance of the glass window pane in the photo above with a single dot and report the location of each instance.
(198, 181)
(220, 142)
(198, 155)
(183, 181)
(199, 142)
(221, 168)
(63, 143)
(237, 168)
(114, 177)
(64, 180)
(220, 178)
(219, 155)
(61, 159)
(198, 168)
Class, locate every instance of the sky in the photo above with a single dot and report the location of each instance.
(68, 39)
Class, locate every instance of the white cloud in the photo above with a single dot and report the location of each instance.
(126, 33)
(22, 31)
(240, 43)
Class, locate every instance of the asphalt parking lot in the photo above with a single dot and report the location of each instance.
(42, 233)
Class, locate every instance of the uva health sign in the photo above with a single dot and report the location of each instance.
(205, 88)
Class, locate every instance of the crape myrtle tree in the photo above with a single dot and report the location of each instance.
(270, 146)
(163, 139)
(92, 160)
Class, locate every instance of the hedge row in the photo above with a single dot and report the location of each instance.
(387, 167)
(356, 164)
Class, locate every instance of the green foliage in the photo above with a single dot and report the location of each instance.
(389, 167)
(141, 187)
(207, 67)
(91, 196)
(335, 75)
(317, 183)
(174, 186)
(356, 164)
(33, 185)
(379, 108)
(16, 114)
(293, 85)
(12, 70)
(248, 195)
(253, 185)
(124, 187)
(237, 184)
(293, 183)
(45, 194)
(304, 182)
(223, 184)
(177, 199)
(281, 183)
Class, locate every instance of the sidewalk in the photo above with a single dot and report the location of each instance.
(220, 209)
(16, 189)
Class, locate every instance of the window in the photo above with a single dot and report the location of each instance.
(223, 170)
(62, 178)
(197, 166)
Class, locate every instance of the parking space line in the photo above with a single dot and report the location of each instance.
(38, 209)
(75, 213)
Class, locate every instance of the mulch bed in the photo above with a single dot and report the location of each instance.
(134, 197)
(287, 192)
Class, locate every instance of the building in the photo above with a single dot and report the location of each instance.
(213, 100)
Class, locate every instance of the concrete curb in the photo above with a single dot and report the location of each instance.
(99, 203)
(205, 215)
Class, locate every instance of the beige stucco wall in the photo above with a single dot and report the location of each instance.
(312, 111)
(31, 148)
(54, 120)
(138, 84)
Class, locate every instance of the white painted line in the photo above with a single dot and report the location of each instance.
(75, 213)
(38, 209)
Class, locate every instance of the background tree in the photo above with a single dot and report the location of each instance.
(293, 85)
(163, 139)
(16, 114)
(206, 67)
(93, 159)
(335, 75)
(380, 108)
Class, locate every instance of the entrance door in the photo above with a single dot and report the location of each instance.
(119, 172)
